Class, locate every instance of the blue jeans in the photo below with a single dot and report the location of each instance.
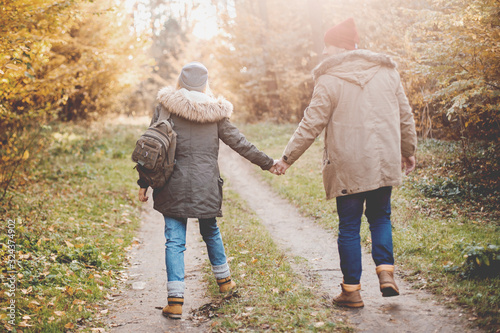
(175, 235)
(378, 213)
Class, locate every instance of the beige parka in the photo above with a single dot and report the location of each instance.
(359, 99)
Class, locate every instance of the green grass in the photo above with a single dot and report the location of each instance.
(430, 233)
(76, 212)
(270, 296)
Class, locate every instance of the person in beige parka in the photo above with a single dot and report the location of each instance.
(370, 135)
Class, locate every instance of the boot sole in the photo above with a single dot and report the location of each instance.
(350, 305)
(172, 316)
(388, 291)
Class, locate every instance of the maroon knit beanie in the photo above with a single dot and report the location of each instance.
(343, 35)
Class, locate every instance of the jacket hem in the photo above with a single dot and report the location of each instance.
(190, 216)
(361, 190)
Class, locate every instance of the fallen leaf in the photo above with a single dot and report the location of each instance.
(13, 67)
(69, 326)
(69, 244)
(26, 317)
(319, 324)
(69, 290)
(24, 324)
(59, 313)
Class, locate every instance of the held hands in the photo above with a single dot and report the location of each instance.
(279, 167)
(408, 164)
(142, 194)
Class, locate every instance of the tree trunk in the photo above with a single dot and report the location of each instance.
(271, 80)
(316, 22)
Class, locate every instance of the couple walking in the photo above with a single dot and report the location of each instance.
(370, 135)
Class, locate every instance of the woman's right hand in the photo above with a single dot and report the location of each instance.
(142, 194)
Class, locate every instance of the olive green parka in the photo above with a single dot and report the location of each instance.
(195, 188)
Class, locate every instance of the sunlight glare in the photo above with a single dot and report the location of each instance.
(206, 26)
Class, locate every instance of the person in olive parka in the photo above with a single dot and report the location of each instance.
(195, 188)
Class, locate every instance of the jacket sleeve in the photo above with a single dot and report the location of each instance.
(316, 117)
(141, 182)
(408, 132)
(231, 136)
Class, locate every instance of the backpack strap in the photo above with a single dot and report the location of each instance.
(163, 113)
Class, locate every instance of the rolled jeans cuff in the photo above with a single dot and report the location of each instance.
(175, 288)
(221, 271)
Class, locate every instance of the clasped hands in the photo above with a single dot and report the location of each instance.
(279, 167)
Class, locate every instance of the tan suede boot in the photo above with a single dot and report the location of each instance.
(350, 296)
(388, 286)
(174, 308)
(226, 284)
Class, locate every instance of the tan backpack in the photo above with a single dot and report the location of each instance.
(154, 152)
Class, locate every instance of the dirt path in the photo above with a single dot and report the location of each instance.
(138, 307)
(413, 311)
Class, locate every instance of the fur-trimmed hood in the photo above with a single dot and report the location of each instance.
(194, 105)
(358, 66)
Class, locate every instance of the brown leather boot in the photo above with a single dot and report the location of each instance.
(350, 296)
(174, 308)
(388, 286)
(226, 284)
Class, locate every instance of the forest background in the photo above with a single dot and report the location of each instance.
(68, 62)
(73, 60)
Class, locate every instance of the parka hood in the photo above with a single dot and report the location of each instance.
(194, 105)
(357, 67)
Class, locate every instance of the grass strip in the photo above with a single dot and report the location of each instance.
(75, 214)
(433, 235)
(270, 296)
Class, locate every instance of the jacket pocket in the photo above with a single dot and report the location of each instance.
(326, 160)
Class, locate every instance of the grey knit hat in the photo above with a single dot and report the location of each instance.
(194, 76)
